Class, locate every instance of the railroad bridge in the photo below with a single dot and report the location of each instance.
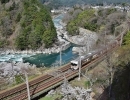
(47, 82)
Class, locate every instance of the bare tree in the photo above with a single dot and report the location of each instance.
(90, 78)
(75, 93)
(76, 12)
(67, 17)
(111, 63)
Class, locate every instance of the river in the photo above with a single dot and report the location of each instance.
(47, 60)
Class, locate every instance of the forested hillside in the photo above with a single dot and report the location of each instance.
(25, 24)
(57, 3)
(101, 21)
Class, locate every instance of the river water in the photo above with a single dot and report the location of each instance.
(47, 60)
(51, 59)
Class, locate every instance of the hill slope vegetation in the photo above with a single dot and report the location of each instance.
(25, 24)
(59, 3)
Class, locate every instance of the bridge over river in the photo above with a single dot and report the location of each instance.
(48, 81)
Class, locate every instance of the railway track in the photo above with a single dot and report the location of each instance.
(17, 90)
(46, 81)
(22, 87)
(43, 86)
(57, 79)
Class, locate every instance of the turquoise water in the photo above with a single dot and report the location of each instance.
(57, 21)
(49, 60)
(42, 59)
(52, 59)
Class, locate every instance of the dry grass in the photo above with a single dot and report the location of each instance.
(78, 83)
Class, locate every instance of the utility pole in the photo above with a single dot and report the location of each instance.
(12, 70)
(61, 56)
(65, 80)
(64, 77)
(79, 68)
(27, 85)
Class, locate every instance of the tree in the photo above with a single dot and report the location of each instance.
(126, 40)
(72, 28)
(81, 19)
(90, 26)
(18, 17)
(22, 42)
(75, 93)
(36, 25)
(47, 38)
(110, 64)
(4, 1)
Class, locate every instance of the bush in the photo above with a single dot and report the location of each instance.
(87, 84)
(126, 40)
(3, 43)
(18, 79)
(81, 20)
(90, 26)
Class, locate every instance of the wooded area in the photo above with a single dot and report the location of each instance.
(26, 25)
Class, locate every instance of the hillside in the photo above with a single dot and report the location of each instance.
(58, 3)
(25, 24)
(101, 21)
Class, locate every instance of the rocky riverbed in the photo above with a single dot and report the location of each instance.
(54, 49)
(85, 41)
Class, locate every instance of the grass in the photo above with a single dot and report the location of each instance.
(32, 76)
(53, 97)
(80, 83)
